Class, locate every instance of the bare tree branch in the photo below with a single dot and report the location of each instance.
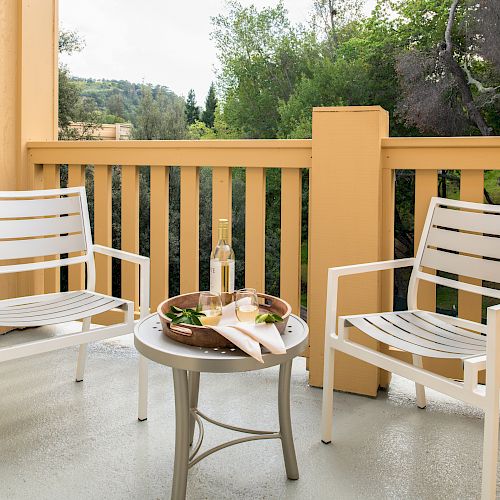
(446, 56)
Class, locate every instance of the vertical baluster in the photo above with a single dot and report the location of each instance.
(290, 265)
(130, 231)
(387, 253)
(189, 231)
(102, 225)
(426, 184)
(76, 273)
(471, 189)
(221, 199)
(255, 226)
(51, 180)
(159, 234)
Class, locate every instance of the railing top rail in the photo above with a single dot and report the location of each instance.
(440, 142)
(282, 153)
(441, 153)
(173, 144)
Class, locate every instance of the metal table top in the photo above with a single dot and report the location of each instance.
(150, 341)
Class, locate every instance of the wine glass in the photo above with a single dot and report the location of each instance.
(246, 305)
(210, 304)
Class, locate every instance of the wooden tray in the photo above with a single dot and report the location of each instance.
(205, 336)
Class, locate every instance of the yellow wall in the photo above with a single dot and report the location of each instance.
(28, 93)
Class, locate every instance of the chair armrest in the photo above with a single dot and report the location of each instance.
(472, 367)
(144, 267)
(370, 267)
(333, 284)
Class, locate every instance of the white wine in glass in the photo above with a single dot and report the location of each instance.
(210, 304)
(247, 305)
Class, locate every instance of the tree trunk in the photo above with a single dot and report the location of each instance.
(446, 56)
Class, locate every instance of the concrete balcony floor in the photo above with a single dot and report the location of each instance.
(62, 440)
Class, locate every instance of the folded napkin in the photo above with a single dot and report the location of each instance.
(249, 336)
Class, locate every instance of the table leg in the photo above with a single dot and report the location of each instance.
(194, 389)
(292, 470)
(179, 481)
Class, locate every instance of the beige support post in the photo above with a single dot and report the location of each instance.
(345, 227)
(158, 250)
(28, 100)
(255, 228)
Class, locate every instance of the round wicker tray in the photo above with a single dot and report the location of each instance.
(205, 336)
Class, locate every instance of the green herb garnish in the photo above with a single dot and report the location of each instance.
(268, 318)
(187, 316)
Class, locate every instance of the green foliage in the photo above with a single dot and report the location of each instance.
(186, 316)
(192, 110)
(208, 115)
(262, 57)
(159, 117)
(268, 318)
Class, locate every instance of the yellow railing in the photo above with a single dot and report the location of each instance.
(289, 156)
(352, 165)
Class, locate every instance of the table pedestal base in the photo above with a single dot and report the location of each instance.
(186, 388)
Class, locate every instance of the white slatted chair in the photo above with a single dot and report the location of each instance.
(37, 229)
(462, 239)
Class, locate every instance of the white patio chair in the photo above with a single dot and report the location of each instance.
(459, 238)
(37, 229)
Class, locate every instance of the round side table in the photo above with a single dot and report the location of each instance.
(187, 362)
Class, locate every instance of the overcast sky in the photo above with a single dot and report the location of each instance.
(153, 41)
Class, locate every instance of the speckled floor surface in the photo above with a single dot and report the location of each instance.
(62, 440)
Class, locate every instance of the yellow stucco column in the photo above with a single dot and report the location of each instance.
(28, 96)
(345, 226)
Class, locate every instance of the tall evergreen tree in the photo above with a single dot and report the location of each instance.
(208, 116)
(192, 111)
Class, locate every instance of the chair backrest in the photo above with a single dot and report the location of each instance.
(37, 227)
(462, 239)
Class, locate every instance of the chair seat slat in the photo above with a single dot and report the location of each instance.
(383, 331)
(421, 338)
(385, 337)
(429, 332)
(80, 305)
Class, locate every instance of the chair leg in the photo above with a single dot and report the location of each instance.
(419, 389)
(143, 389)
(82, 353)
(490, 450)
(327, 406)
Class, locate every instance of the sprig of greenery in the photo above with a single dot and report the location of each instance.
(268, 318)
(187, 316)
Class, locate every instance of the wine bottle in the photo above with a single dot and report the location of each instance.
(222, 264)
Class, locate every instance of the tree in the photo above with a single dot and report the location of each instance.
(262, 57)
(72, 108)
(115, 105)
(451, 79)
(208, 115)
(192, 110)
(161, 116)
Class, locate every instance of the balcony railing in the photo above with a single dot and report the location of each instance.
(352, 169)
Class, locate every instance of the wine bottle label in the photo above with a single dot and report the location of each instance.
(221, 276)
